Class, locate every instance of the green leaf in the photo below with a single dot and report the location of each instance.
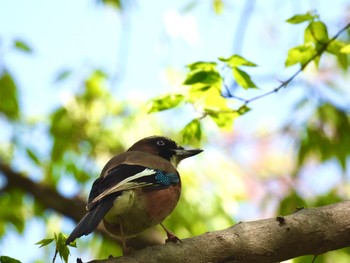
(165, 102)
(63, 131)
(236, 61)
(33, 156)
(316, 32)
(22, 46)
(331, 197)
(61, 246)
(300, 54)
(72, 244)
(207, 77)
(116, 4)
(224, 120)
(336, 48)
(297, 19)
(63, 75)
(8, 96)
(192, 131)
(95, 85)
(345, 49)
(343, 60)
(243, 79)
(218, 6)
(44, 242)
(329, 140)
(206, 66)
(243, 109)
(6, 259)
(12, 209)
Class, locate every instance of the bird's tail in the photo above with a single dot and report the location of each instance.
(91, 220)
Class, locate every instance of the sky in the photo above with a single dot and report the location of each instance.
(139, 48)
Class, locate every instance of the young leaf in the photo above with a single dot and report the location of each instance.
(206, 66)
(243, 109)
(345, 49)
(207, 77)
(243, 79)
(62, 248)
(316, 32)
(62, 75)
(6, 259)
(192, 131)
(337, 48)
(33, 156)
(116, 4)
(300, 54)
(165, 102)
(9, 102)
(297, 19)
(44, 242)
(218, 6)
(237, 61)
(22, 46)
(224, 120)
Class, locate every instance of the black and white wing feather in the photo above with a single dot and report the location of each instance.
(106, 189)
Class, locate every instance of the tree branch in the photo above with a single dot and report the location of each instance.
(73, 208)
(285, 83)
(311, 231)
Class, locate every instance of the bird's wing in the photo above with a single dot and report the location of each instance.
(126, 177)
(106, 189)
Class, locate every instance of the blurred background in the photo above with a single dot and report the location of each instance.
(77, 79)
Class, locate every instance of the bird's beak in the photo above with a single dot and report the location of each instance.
(185, 153)
(181, 153)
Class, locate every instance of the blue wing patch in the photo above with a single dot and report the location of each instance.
(166, 179)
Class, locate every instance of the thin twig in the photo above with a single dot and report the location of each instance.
(54, 256)
(286, 82)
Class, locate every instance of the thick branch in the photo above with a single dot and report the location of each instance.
(310, 231)
(73, 208)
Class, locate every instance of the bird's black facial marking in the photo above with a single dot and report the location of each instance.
(158, 145)
(165, 147)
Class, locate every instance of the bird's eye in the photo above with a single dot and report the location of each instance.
(161, 143)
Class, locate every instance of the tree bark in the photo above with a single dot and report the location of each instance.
(310, 231)
(73, 208)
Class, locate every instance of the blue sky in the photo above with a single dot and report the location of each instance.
(137, 47)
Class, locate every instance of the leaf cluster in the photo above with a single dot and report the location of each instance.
(203, 90)
(316, 39)
(61, 248)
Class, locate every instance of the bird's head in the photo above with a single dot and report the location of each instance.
(164, 147)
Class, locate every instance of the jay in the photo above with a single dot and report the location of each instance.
(137, 189)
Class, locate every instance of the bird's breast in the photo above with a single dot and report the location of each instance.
(139, 209)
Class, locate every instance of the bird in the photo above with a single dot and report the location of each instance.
(136, 189)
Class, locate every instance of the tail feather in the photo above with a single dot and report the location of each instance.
(91, 220)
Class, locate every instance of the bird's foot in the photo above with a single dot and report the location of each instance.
(172, 238)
